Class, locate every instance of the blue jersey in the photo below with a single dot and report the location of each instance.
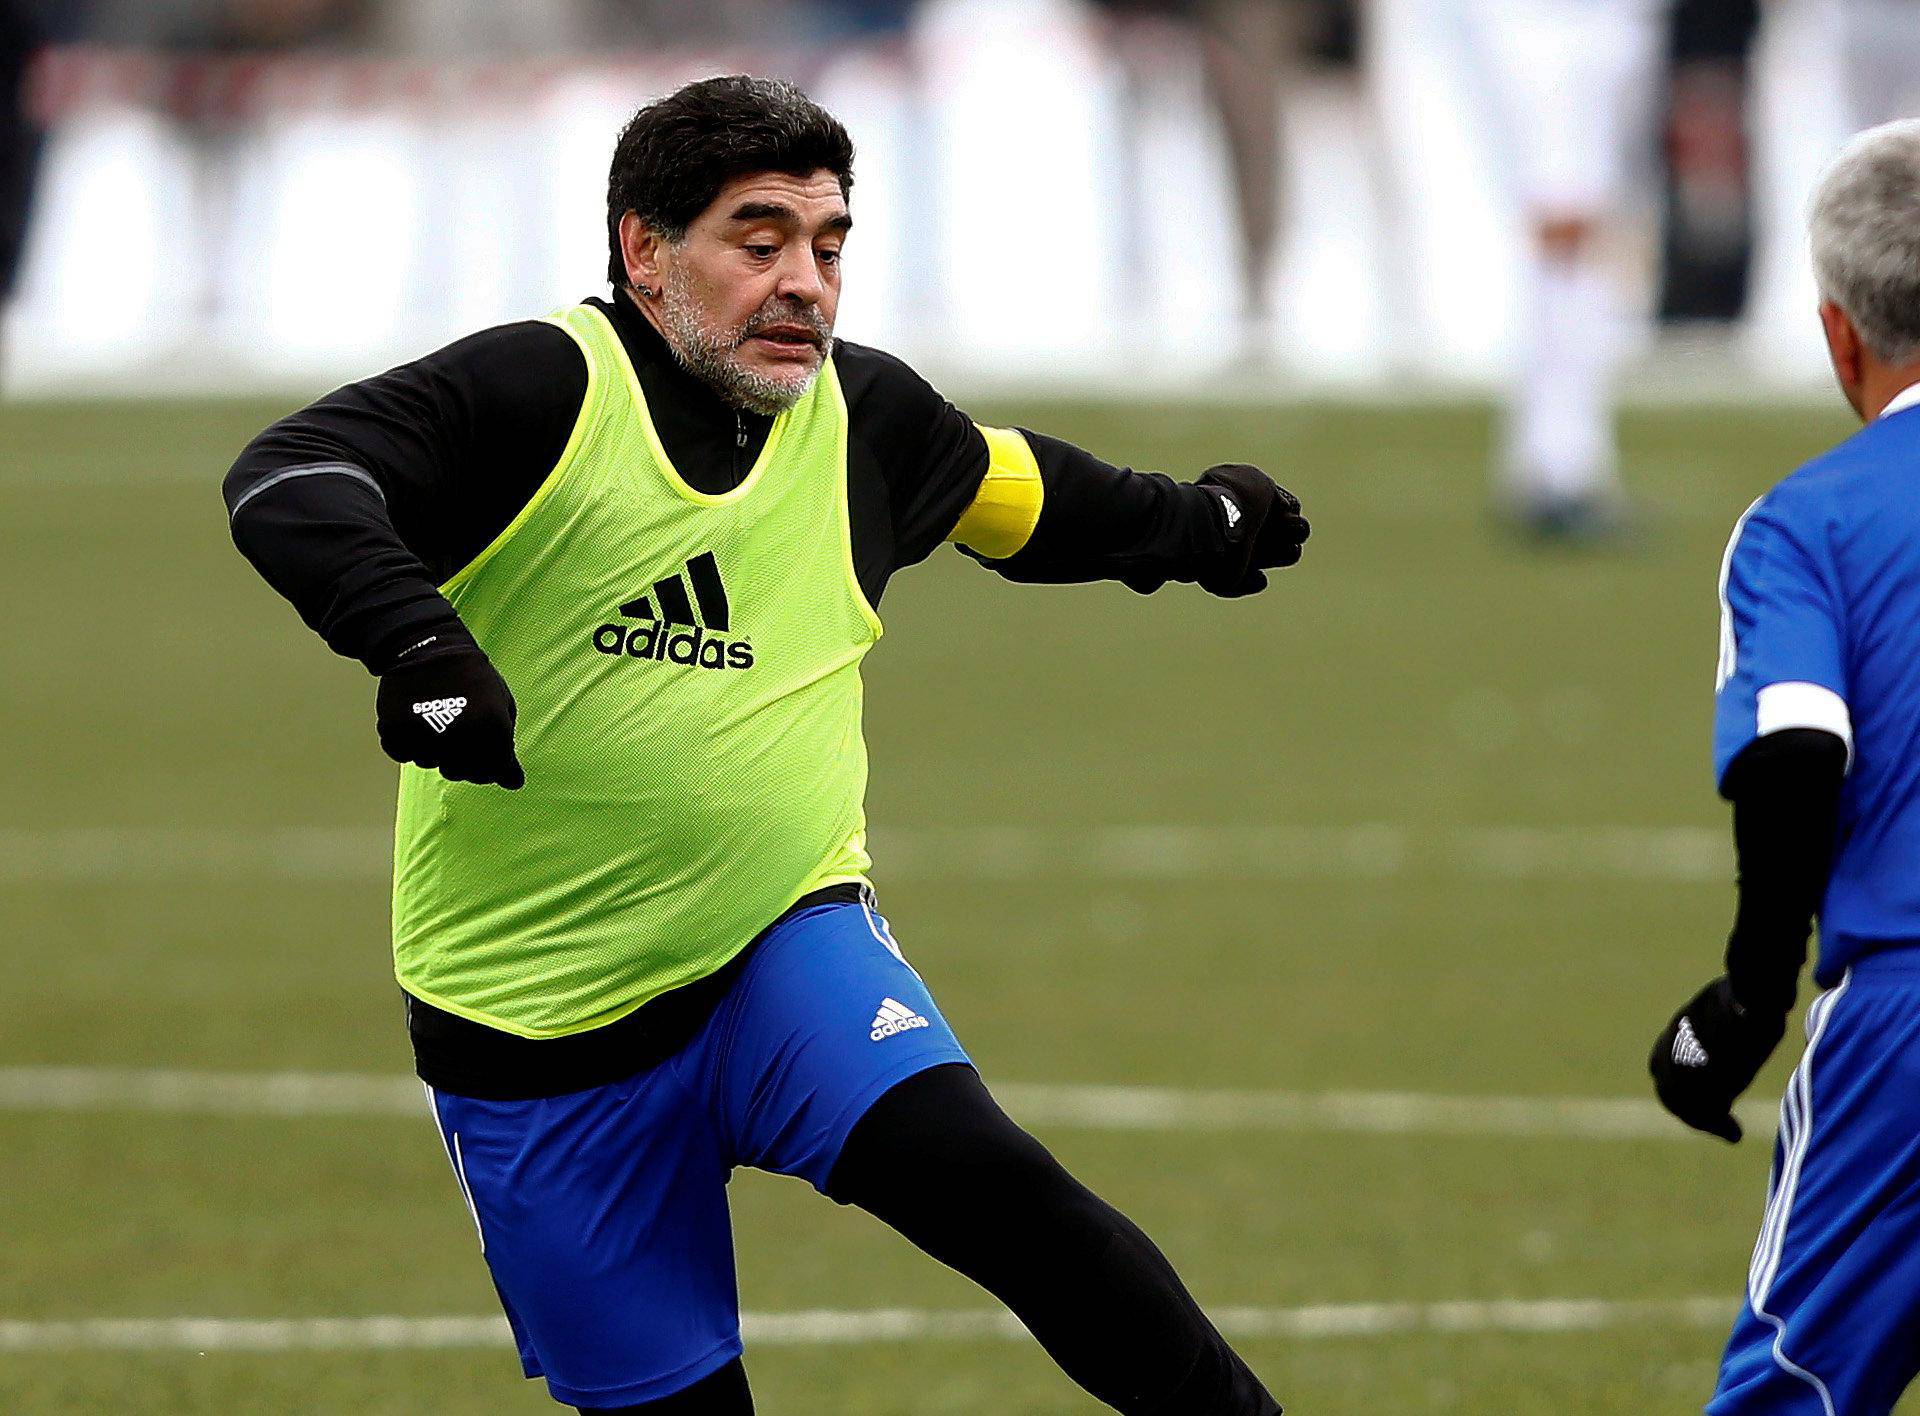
(1820, 628)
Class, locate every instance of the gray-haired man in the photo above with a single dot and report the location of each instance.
(1817, 744)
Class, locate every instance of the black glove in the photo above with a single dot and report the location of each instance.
(1709, 1054)
(1264, 527)
(450, 709)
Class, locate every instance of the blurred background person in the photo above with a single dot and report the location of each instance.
(292, 24)
(1570, 86)
(1707, 218)
(192, 26)
(449, 29)
(1258, 59)
(20, 140)
(1256, 50)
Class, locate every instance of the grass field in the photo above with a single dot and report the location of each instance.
(1433, 816)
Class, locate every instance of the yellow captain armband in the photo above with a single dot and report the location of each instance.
(1007, 506)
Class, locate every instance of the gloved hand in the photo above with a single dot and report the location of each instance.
(1709, 1054)
(1264, 527)
(449, 708)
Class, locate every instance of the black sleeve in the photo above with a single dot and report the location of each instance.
(1785, 789)
(926, 456)
(1097, 521)
(1100, 522)
(357, 507)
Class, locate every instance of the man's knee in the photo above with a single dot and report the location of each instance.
(937, 1159)
(939, 1131)
(723, 1393)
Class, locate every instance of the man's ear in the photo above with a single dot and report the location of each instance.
(641, 247)
(1846, 351)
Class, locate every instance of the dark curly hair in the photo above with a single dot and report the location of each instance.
(675, 155)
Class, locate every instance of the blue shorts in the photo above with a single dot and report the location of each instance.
(603, 1214)
(1832, 1322)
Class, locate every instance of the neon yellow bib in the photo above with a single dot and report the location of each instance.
(687, 670)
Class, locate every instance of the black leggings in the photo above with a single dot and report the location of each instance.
(723, 1393)
(938, 1160)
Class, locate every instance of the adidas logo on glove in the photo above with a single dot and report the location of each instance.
(440, 712)
(1687, 1051)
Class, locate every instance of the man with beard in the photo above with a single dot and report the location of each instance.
(616, 571)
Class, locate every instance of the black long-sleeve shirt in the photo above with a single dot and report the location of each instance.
(449, 448)
(357, 507)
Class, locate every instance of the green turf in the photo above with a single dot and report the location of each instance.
(1422, 673)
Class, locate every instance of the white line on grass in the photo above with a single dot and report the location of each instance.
(1083, 1108)
(1165, 851)
(827, 1327)
(209, 1093)
(1122, 1108)
(117, 853)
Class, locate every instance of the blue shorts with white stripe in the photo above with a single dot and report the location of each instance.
(1832, 1321)
(603, 1213)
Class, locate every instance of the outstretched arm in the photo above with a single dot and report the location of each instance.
(1039, 510)
(1088, 520)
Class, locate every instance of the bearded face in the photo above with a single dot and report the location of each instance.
(762, 364)
(747, 296)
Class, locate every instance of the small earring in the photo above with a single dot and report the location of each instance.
(645, 291)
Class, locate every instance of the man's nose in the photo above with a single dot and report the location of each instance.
(799, 277)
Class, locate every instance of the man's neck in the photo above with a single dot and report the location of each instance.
(651, 314)
(1885, 387)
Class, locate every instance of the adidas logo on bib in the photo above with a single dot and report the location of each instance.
(674, 635)
(894, 1017)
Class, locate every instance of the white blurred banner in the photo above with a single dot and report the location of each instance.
(1040, 198)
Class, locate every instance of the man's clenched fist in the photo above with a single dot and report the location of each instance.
(450, 710)
(1709, 1054)
(1265, 530)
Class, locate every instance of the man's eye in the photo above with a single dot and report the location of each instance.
(829, 258)
(761, 251)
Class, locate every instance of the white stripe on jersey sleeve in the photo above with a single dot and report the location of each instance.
(1729, 651)
(1780, 706)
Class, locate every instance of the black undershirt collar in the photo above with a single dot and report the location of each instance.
(713, 444)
